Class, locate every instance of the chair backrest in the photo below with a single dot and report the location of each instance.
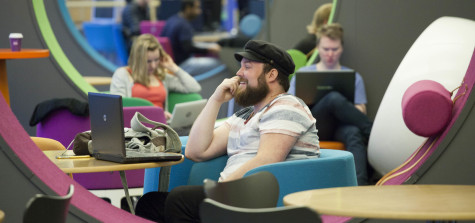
(134, 102)
(213, 212)
(250, 25)
(107, 39)
(259, 190)
(153, 27)
(99, 35)
(47, 144)
(167, 45)
(62, 125)
(334, 168)
(175, 98)
(48, 208)
(120, 45)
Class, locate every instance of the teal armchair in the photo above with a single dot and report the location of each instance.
(334, 168)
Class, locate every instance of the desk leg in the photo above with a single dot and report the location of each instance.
(126, 190)
(4, 81)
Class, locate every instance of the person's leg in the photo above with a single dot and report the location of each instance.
(355, 143)
(182, 204)
(326, 123)
(151, 206)
(336, 105)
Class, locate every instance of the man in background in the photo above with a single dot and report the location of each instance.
(346, 121)
(135, 12)
(179, 30)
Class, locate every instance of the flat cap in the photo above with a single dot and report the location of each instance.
(265, 52)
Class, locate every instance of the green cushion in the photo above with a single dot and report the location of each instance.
(133, 102)
(174, 98)
(299, 58)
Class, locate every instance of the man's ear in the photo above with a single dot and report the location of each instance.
(272, 75)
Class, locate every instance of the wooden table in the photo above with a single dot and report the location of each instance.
(91, 165)
(402, 202)
(98, 80)
(212, 37)
(8, 54)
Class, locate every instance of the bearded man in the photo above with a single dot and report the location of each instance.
(274, 127)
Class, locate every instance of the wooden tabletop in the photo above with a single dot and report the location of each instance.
(211, 37)
(90, 165)
(23, 53)
(98, 80)
(409, 202)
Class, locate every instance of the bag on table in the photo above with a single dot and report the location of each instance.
(160, 138)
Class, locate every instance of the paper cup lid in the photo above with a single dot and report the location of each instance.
(16, 35)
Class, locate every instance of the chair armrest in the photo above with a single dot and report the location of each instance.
(334, 168)
(209, 169)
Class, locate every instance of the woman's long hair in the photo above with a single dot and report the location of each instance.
(320, 17)
(138, 59)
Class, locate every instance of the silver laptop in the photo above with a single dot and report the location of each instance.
(184, 114)
(311, 86)
(107, 132)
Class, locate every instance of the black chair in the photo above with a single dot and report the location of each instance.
(48, 208)
(215, 212)
(259, 190)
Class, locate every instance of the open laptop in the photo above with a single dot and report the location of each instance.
(311, 86)
(184, 115)
(107, 132)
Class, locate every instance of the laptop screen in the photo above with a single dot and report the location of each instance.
(107, 124)
(311, 86)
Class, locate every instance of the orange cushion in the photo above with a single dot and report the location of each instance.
(332, 145)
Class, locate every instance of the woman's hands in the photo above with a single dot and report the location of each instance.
(167, 62)
(168, 115)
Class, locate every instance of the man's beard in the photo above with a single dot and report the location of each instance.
(252, 95)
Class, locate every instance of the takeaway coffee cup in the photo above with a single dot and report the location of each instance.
(15, 41)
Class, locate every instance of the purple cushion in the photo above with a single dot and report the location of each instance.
(426, 107)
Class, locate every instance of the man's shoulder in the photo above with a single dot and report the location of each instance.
(288, 97)
(175, 19)
(287, 100)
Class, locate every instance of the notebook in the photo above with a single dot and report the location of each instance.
(311, 86)
(184, 114)
(107, 132)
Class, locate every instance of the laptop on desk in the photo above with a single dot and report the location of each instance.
(107, 132)
(312, 86)
(184, 115)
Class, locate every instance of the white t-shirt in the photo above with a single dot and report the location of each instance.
(286, 114)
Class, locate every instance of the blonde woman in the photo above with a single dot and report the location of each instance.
(151, 74)
(320, 18)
